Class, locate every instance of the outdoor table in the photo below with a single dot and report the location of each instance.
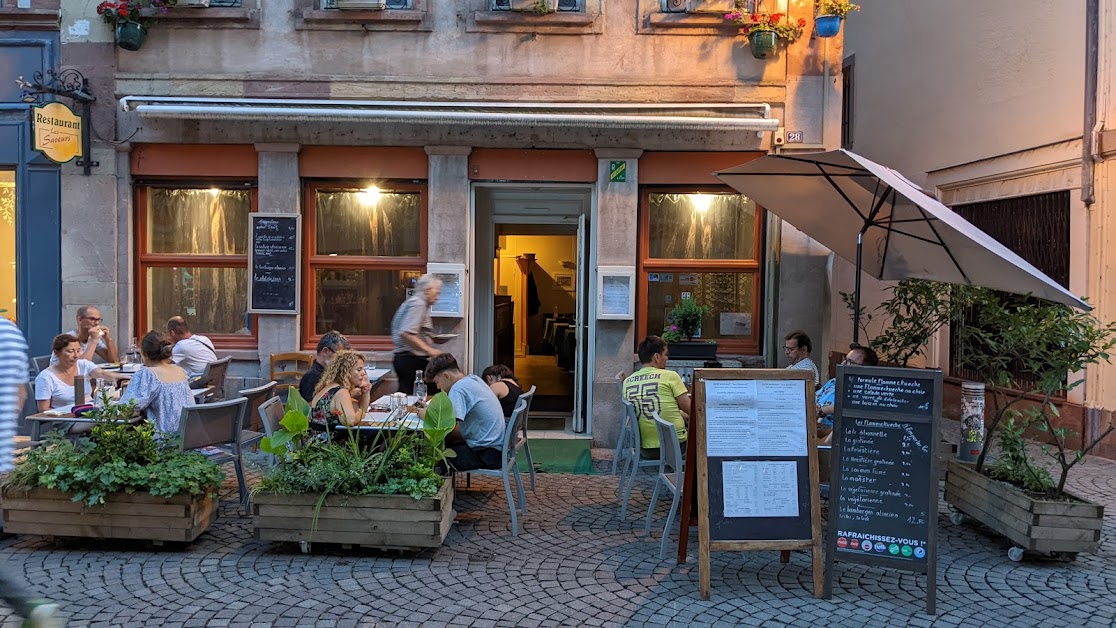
(375, 374)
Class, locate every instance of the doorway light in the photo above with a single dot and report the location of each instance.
(701, 202)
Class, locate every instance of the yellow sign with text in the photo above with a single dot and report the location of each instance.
(57, 132)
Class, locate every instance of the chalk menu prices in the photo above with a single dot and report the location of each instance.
(907, 395)
(274, 264)
(884, 506)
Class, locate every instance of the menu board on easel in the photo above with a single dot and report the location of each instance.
(757, 465)
(884, 486)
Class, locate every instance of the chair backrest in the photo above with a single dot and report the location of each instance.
(620, 383)
(632, 418)
(271, 413)
(215, 376)
(512, 427)
(256, 396)
(528, 396)
(211, 424)
(670, 450)
(40, 362)
(288, 368)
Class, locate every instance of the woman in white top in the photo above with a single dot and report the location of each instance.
(162, 388)
(54, 387)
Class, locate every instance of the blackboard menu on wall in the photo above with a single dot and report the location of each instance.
(275, 263)
(884, 477)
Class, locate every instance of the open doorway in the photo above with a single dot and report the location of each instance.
(529, 298)
(535, 271)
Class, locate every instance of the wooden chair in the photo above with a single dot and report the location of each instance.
(287, 370)
(670, 477)
(216, 430)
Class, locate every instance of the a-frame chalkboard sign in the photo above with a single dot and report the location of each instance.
(883, 504)
(757, 464)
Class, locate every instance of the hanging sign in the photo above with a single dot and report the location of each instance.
(56, 130)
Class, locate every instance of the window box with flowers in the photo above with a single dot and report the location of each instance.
(830, 14)
(130, 20)
(765, 30)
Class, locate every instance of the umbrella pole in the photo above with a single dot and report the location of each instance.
(856, 291)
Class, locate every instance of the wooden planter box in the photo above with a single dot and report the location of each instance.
(378, 521)
(1032, 524)
(47, 512)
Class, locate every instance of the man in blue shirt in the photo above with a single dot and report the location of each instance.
(824, 397)
(479, 433)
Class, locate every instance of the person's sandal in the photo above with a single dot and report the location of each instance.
(44, 614)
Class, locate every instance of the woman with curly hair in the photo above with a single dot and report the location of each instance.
(343, 393)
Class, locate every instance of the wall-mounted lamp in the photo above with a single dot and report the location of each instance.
(67, 84)
(701, 202)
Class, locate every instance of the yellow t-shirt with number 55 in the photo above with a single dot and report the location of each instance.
(655, 390)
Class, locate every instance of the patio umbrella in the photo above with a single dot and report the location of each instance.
(873, 216)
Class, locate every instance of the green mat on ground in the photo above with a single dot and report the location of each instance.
(559, 455)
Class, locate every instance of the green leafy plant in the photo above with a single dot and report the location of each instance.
(684, 320)
(764, 21)
(116, 457)
(395, 462)
(1047, 342)
(542, 7)
(1014, 465)
(840, 8)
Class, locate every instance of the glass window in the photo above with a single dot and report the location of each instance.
(213, 300)
(193, 256)
(702, 226)
(8, 268)
(705, 245)
(367, 249)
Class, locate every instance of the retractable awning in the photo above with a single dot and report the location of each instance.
(637, 116)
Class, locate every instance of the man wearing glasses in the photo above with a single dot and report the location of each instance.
(797, 348)
(824, 397)
(330, 343)
(93, 336)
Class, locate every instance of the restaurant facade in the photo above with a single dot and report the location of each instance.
(553, 168)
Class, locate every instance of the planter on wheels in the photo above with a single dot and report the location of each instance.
(398, 522)
(763, 43)
(827, 25)
(130, 35)
(1057, 527)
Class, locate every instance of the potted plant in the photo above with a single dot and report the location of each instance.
(360, 5)
(683, 324)
(541, 7)
(130, 20)
(764, 30)
(1016, 496)
(386, 494)
(120, 482)
(830, 13)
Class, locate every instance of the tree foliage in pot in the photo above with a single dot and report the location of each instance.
(684, 321)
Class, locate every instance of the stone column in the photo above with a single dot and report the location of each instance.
(448, 229)
(615, 237)
(126, 261)
(279, 193)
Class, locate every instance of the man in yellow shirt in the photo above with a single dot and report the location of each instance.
(653, 388)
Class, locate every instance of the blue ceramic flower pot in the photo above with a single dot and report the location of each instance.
(130, 35)
(763, 43)
(827, 25)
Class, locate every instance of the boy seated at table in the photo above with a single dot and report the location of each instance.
(478, 435)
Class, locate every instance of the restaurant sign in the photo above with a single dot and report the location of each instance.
(57, 132)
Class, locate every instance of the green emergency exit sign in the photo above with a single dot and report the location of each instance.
(618, 171)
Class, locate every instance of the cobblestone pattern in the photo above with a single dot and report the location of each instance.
(574, 563)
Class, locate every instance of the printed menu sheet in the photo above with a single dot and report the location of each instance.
(755, 418)
(758, 488)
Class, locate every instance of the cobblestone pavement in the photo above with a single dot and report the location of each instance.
(574, 563)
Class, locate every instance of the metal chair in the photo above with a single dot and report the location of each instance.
(287, 370)
(256, 396)
(633, 462)
(509, 464)
(529, 396)
(214, 377)
(271, 413)
(39, 363)
(215, 429)
(670, 476)
(623, 428)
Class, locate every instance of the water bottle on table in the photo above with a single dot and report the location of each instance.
(420, 387)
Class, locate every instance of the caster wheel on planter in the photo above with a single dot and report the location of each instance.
(956, 518)
(1015, 554)
(304, 546)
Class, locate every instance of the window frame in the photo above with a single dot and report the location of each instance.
(312, 262)
(646, 264)
(145, 259)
